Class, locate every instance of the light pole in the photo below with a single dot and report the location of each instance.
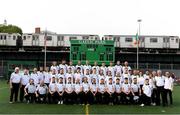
(45, 40)
(139, 22)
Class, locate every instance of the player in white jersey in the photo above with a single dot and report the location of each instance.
(64, 66)
(24, 81)
(54, 66)
(41, 92)
(146, 75)
(141, 80)
(94, 75)
(94, 89)
(69, 91)
(168, 87)
(160, 88)
(14, 83)
(126, 91)
(154, 91)
(78, 92)
(80, 66)
(96, 67)
(118, 68)
(135, 91)
(53, 74)
(111, 68)
(47, 76)
(126, 75)
(109, 94)
(103, 68)
(78, 75)
(126, 67)
(86, 67)
(108, 76)
(68, 75)
(53, 95)
(73, 68)
(35, 77)
(30, 90)
(40, 74)
(61, 75)
(60, 90)
(101, 91)
(87, 95)
(87, 75)
(146, 95)
(117, 92)
(101, 75)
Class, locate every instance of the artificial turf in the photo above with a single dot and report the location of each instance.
(23, 108)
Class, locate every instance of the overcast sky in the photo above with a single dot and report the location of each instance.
(159, 17)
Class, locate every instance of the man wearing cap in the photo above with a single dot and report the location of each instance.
(15, 80)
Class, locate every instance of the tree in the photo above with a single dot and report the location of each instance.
(10, 29)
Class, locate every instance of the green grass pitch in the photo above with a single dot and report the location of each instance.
(23, 108)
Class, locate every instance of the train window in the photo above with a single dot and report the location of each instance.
(141, 39)
(96, 38)
(176, 40)
(24, 37)
(128, 39)
(0, 37)
(4, 37)
(153, 40)
(117, 39)
(60, 38)
(49, 38)
(85, 37)
(28, 36)
(72, 38)
(14, 37)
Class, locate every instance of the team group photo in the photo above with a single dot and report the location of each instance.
(91, 84)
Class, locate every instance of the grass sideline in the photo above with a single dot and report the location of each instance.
(23, 108)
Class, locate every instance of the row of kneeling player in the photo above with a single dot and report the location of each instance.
(88, 94)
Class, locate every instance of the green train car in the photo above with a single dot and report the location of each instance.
(92, 50)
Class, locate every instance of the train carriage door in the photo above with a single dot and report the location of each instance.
(35, 41)
(59, 41)
(141, 41)
(166, 43)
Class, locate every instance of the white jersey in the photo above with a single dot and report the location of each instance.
(135, 87)
(126, 87)
(147, 90)
(77, 87)
(78, 76)
(73, 68)
(15, 78)
(110, 87)
(95, 76)
(52, 87)
(97, 69)
(85, 67)
(60, 87)
(102, 88)
(56, 68)
(47, 77)
(168, 83)
(31, 88)
(81, 67)
(25, 79)
(88, 78)
(118, 69)
(61, 76)
(104, 69)
(85, 87)
(69, 75)
(159, 81)
(64, 67)
(40, 75)
(35, 77)
(69, 87)
(93, 87)
(124, 68)
(141, 80)
(112, 70)
(42, 89)
(117, 87)
(53, 75)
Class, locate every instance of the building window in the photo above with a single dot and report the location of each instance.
(108, 49)
(74, 57)
(109, 57)
(128, 39)
(101, 57)
(83, 56)
(153, 40)
(49, 38)
(75, 49)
